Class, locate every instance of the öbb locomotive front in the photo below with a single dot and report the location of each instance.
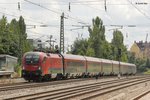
(46, 66)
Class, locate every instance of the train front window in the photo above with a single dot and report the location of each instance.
(35, 59)
(32, 59)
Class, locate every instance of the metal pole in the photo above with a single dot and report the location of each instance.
(62, 33)
(50, 40)
(119, 66)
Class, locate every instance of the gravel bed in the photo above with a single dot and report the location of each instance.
(126, 93)
(11, 80)
(146, 97)
(19, 92)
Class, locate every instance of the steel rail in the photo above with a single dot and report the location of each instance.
(77, 89)
(33, 85)
(141, 95)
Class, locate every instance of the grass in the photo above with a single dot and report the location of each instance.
(147, 72)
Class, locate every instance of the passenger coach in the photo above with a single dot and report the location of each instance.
(45, 66)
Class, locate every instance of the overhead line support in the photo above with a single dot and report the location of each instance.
(62, 33)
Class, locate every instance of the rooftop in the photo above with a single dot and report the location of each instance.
(143, 45)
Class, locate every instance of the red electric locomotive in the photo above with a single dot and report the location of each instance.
(40, 65)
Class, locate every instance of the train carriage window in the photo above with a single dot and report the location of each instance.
(75, 66)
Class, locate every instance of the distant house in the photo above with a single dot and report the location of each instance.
(141, 49)
(37, 43)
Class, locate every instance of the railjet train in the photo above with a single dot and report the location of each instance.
(47, 66)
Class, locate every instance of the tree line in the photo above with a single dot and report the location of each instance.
(13, 37)
(97, 46)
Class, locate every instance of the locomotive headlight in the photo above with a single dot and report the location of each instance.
(39, 67)
(23, 67)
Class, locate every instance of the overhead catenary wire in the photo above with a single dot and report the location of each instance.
(82, 3)
(89, 5)
(56, 12)
(147, 16)
(57, 26)
(17, 16)
(60, 2)
(43, 7)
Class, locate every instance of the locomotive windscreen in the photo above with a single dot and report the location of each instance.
(32, 59)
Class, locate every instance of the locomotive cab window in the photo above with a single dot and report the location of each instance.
(32, 59)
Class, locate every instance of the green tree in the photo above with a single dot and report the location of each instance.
(107, 52)
(117, 43)
(14, 34)
(80, 47)
(141, 63)
(97, 37)
(22, 36)
(24, 45)
(147, 63)
(3, 35)
(13, 37)
(90, 52)
(131, 57)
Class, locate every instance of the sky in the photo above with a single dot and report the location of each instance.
(131, 17)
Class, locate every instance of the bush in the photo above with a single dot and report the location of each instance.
(18, 70)
(147, 72)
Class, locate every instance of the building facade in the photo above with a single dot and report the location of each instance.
(37, 43)
(141, 49)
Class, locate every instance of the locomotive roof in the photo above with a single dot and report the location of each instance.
(33, 53)
(74, 57)
(44, 54)
(55, 55)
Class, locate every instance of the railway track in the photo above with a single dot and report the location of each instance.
(11, 81)
(84, 92)
(25, 82)
(33, 85)
(23, 85)
(141, 95)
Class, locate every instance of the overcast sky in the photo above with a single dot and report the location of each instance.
(48, 12)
